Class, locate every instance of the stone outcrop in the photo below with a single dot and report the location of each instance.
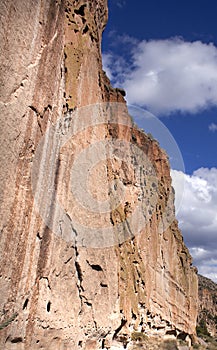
(76, 277)
(207, 308)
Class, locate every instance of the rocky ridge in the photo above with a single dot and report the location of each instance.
(60, 287)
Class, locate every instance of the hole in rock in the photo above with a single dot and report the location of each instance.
(87, 303)
(103, 285)
(25, 304)
(134, 317)
(182, 336)
(171, 332)
(48, 306)
(39, 236)
(17, 340)
(80, 11)
(85, 29)
(96, 267)
(92, 37)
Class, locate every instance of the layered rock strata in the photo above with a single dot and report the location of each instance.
(76, 277)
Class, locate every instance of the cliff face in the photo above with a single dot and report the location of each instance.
(81, 267)
(207, 310)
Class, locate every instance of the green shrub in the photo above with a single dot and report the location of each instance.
(6, 323)
(138, 336)
(201, 329)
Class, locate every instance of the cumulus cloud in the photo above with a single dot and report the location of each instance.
(206, 261)
(107, 59)
(167, 75)
(197, 216)
(213, 127)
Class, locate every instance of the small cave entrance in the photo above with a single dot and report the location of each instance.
(48, 306)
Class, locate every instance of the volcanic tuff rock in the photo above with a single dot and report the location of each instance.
(207, 304)
(59, 288)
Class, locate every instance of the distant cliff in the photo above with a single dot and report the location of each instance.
(91, 253)
(207, 313)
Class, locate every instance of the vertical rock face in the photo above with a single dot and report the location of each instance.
(76, 277)
(207, 304)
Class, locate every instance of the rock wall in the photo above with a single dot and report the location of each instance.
(207, 304)
(76, 277)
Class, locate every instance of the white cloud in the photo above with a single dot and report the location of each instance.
(115, 66)
(206, 261)
(213, 127)
(167, 75)
(197, 216)
(107, 60)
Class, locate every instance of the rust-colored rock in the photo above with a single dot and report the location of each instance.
(59, 288)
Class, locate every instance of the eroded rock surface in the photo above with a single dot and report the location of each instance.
(62, 286)
(207, 304)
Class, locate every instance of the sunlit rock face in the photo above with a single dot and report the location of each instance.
(90, 248)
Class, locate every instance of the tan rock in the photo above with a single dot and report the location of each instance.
(207, 304)
(66, 287)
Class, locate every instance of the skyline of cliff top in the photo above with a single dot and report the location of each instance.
(164, 54)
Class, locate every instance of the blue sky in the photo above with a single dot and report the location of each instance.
(164, 54)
